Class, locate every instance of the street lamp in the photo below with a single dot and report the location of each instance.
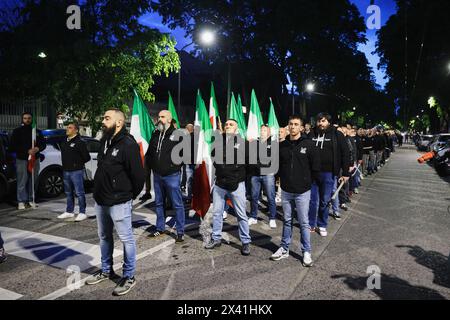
(42, 55)
(206, 38)
(310, 87)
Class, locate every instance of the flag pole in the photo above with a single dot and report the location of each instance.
(32, 175)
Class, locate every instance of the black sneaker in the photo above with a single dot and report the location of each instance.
(180, 238)
(124, 286)
(99, 277)
(336, 216)
(213, 244)
(2, 255)
(157, 234)
(145, 197)
(245, 249)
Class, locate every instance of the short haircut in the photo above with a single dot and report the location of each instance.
(231, 119)
(27, 113)
(296, 117)
(323, 115)
(118, 111)
(75, 124)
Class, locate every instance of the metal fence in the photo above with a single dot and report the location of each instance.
(11, 112)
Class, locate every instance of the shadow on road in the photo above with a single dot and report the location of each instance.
(435, 261)
(392, 288)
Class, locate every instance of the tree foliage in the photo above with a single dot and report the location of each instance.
(87, 70)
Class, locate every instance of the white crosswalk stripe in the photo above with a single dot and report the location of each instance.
(9, 295)
(52, 250)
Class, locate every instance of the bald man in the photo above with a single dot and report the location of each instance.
(118, 180)
(166, 175)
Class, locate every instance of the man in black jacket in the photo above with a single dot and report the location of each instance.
(299, 167)
(74, 154)
(230, 181)
(334, 159)
(267, 181)
(21, 144)
(118, 180)
(166, 175)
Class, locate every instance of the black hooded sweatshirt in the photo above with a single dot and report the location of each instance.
(21, 142)
(299, 165)
(334, 151)
(159, 153)
(74, 154)
(120, 174)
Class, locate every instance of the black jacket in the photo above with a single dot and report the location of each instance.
(20, 142)
(359, 147)
(255, 169)
(120, 175)
(299, 165)
(158, 157)
(368, 144)
(228, 176)
(379, 143)
(74, 154)
(340, 151)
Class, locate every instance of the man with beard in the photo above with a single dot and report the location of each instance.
(166, 175)
(230, 181)
(118, 180)
(334, 159)
(21, 144)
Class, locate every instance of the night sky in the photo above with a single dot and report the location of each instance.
(388, 7)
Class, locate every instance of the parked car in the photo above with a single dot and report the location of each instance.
(439, 141)
(51, 183)
(423, 142)
(442, 160)
(7, 168)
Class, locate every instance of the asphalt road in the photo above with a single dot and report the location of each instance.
(398, 226)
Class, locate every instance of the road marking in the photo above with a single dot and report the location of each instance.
(52, 250)
(64, 291)
(9, 295)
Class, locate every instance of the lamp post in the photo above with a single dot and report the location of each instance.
(206, 38)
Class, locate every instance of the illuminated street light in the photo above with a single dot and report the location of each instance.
(310, 87)
(42, 55)
(207, 37)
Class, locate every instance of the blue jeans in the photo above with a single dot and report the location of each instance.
(320, 198)
(268, 183)
(239, 202)
(170, 186)
(74, 181)
(189, 179)
(118, 216)
(24, 181)
(1, 241)
(335, 202)
(301, 204)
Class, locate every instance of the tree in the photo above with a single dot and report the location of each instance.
(265, 40)
(89, 70)
(419, 67)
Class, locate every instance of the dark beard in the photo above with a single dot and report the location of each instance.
(108, 133)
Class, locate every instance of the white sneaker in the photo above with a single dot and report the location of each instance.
(277, 199)
(280, 254)
(252, 221)
(225, 215)
(33, 205)
(81, 217)
(66, 215)
(272, 224)
(356, 191)
(21, 206)
(307, 259)
(323, 232)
